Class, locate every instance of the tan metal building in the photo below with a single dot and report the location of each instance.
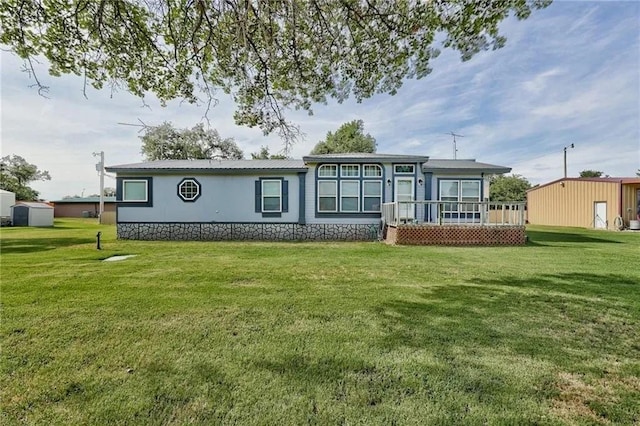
(604, 203)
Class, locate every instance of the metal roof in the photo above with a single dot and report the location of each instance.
(365, 156)
(210, 165)
(620, 180)
(451, 165)
(85, 200)
(33, 205)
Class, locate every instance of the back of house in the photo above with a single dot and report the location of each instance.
(320, 197)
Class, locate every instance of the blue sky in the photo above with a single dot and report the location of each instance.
(568, 74)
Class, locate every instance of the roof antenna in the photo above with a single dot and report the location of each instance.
(455, 148)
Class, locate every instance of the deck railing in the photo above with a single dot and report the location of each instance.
(454, 213)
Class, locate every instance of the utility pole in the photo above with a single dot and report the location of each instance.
(100, 169)
(565, 159)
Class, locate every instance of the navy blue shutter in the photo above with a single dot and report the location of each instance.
(258, 196)
(285, 195)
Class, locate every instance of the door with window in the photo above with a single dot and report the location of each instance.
(405, 191)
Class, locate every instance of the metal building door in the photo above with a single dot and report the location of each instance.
(600, 215)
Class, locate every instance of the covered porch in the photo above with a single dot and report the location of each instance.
(454, 223)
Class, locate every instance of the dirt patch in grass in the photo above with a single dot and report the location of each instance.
(581, 399)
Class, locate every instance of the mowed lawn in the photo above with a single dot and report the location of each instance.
(318, 333)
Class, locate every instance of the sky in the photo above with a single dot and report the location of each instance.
(570, 74)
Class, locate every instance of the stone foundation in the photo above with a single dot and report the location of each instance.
(456, 235)
(246, 231)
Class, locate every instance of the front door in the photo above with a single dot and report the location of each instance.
(600, 215)
(404, 191)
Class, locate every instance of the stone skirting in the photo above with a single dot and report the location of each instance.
(456, 235)
(246, 231)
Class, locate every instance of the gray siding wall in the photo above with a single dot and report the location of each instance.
(225, 198)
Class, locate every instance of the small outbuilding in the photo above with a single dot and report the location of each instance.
(83, 206)
(32, 214)
(601, 203)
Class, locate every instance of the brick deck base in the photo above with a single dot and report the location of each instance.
(456, 235)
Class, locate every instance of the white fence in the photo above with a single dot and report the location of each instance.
(456, 213)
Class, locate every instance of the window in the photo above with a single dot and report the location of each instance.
(357, 189)
(328, 170)
(134, 190)
(449, 192)
(271, 195)
(350, 170)
(328, 196)
(349, 196)
(189, 190)
(470, 191)
(372, 170)
(460, 191)
(404, 169)
(371, 196)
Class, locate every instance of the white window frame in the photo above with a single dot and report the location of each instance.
(370, 196)
(377, 167)
(459, 199)
(335, 184)
(185, 181)
(124, 190)
(344, 167)
(323, 167)
(262, 195)
(357, 196)
(412, 172)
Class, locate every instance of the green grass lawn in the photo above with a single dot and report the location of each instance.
(318, 333)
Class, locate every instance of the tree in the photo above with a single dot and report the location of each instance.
(590, 174)
(270, 55)
(109, 192)
(15, 175)
(263, 154)
(165, 142)
(349, 137)
(508, 188)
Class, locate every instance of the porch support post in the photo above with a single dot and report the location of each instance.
(301, 197)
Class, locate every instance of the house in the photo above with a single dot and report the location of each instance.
(82, 206)
(601, 203)
(26, 213)
(321, 197)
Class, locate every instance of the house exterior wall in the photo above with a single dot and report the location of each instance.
(77, 209)
(224, 198)
(571, 203)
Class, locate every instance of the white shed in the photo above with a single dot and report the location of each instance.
(32, 214)
(7, 199)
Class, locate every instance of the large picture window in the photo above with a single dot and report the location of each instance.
(371, 196)
(350, 196)
(328, 196)
(356, 189)
(461, 194)
(134, 190)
